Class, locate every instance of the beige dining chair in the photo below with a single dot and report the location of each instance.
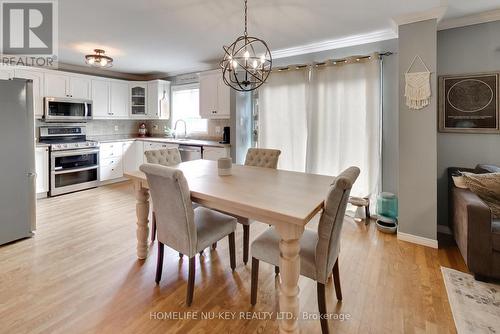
(319, 250)
(164, 157)
(180, 227)
(257, 157)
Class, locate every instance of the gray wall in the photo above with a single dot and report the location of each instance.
(417, 137)
(390, 152)
(464, 50)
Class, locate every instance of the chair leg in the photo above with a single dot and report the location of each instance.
(159, 264)
(246, 242)
(255, 281)
(276, 270)
(322, 307)
(336, 280)
(214, 245)
(232, 251)
(153, 228)
(191, 275)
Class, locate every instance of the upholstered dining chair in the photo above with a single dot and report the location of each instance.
(257, 157)
(164, 157)
(181, 227)
(319, 250)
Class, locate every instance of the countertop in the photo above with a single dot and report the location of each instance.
(194, 142)
(41, 144)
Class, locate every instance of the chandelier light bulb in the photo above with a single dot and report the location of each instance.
(255, 64)
(104, 62)
(235, 64)
(262, 59)
(91, 61)
(246, 55)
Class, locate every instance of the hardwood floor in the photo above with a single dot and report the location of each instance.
(80, 274)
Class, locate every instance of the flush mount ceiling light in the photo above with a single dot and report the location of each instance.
(247, 62)
(99, 59)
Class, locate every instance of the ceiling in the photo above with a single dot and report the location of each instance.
(179, 36)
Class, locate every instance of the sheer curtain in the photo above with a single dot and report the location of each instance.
(283, 115)
(326, 119)
(344, 122)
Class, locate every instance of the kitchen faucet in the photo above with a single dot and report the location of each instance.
(185, 128)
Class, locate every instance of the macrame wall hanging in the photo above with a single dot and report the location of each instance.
(418, 86)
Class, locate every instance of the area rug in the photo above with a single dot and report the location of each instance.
(475, 305)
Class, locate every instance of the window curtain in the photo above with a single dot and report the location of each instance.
(282, 117)
(326, 119)
(344, 122)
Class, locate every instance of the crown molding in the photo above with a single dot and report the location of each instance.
(468, 20)
(372, 37)
(434, 13)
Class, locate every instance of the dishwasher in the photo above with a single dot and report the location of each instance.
(189, 152)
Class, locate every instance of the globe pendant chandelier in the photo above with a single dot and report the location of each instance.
(247, 62)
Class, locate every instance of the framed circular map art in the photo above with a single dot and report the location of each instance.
(469, 103)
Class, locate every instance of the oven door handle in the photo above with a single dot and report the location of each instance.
(74, 170)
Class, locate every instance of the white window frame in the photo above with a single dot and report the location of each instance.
(174, 118)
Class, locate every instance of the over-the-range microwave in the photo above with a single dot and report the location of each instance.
(60, 109)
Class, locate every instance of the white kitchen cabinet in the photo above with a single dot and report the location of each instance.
(101, 98)
(6, 73)
(63, 85)
(42, 171)
(37, 78)
(138, 99)
(133, 155)
(110, 161)
(158, 93)
(119, 96)
(214, 96)
(214, 153)
(150, 146)
(56, 85)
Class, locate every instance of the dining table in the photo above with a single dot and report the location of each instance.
(287, 200)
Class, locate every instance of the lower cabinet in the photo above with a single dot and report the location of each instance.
(110, 161)
(42, 171)
(150, 146)
(214, 153)
(133, 155)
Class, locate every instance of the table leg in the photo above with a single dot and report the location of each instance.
(289, 265)
(142, 212)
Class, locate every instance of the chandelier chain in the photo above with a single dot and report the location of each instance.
(246, 34)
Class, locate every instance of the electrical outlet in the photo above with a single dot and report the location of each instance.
(217, 130)
(116, 127)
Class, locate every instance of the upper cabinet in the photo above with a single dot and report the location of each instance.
(158, 99)
(63, 85)
(101, 98)
(110, 98)
(138, 99)
(37, 78)
(214, 96)
(120, 99)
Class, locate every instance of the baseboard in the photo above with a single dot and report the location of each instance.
(418, 240)
(444, 229)
(118, 180)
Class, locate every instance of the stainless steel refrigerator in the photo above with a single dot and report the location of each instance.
(17, 160)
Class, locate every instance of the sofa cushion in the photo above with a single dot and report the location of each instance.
(495, 234)
(483, 168)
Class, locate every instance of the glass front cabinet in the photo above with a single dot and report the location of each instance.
(138, 99)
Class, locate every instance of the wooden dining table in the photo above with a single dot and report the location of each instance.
(288, 200)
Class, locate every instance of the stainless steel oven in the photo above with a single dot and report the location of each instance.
(58, 109)
(73, 170)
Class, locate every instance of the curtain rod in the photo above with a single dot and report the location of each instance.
(345, 60)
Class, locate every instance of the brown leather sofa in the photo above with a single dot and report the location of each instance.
(477, 234)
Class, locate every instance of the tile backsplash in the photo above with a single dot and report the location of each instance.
(155, 127)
